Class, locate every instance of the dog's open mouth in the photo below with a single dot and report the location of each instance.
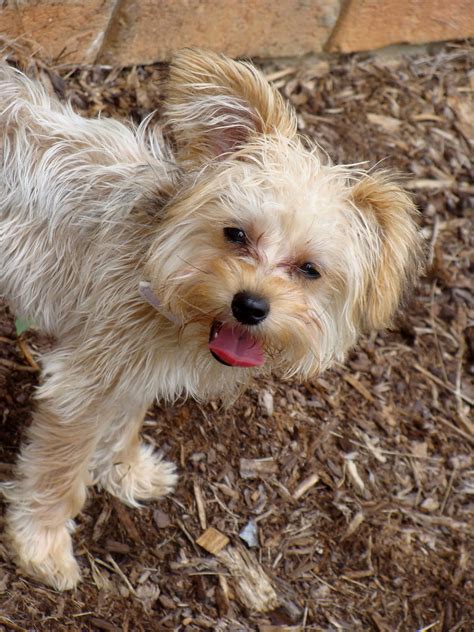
(234, 346)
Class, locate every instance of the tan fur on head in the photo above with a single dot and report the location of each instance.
(92, 210)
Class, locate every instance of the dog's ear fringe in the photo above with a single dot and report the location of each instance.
(391, 212)
(214, 105)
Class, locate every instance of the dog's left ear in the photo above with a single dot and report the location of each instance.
(393, 248)
(215, 105)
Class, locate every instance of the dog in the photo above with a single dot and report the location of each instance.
(174, 261)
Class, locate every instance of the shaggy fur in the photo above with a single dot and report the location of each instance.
(89, 209)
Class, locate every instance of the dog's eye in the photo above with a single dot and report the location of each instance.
(309, 270)
(235, 235)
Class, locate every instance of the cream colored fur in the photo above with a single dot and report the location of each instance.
(89, 208)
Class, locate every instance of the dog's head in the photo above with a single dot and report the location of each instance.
(268, 253)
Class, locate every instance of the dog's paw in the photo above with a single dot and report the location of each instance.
(147, 477)
(44, 553)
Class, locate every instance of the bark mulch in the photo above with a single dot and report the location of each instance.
(341, 504)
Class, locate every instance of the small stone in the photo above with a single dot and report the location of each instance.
(266, 402)
(249, 534)
(162, 519)
(430, 504)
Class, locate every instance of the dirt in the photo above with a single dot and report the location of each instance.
(364, 504)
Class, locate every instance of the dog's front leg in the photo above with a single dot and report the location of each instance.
(128, 468)
(50, 489)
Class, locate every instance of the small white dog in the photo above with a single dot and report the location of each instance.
(165, 269)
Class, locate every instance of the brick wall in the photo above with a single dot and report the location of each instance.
(126, 32)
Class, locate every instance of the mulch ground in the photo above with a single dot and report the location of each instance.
(357, 488)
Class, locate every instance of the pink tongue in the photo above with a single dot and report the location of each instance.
(237, 347)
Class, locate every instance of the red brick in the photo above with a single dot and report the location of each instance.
(369, 24)
(10, 23)
(145, 31)
(69, 31)
(125, 32)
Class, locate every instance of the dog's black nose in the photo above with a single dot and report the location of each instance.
(250, 309)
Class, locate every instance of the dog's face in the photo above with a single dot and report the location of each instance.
(269, 254)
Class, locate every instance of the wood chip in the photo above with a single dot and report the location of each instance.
(256, 468)
(212, 540)
(264, 627)
(127, 521)
(387, 123)
(167, 602)
(102, 624)
(101, 522)
(427, 116)
(359, 387)
(354, 524)
(112, 546)
(251, 584)
(200, 505)
(222, 595)
(354, 475)
(425, 183)
(305, 485)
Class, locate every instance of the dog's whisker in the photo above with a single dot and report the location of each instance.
(192, 265)
(183, 300)
(186, 302)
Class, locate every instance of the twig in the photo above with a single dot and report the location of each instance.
(429, 627)
(433, 240)
(448, 387)
(359, 387)
(27, 354)
(11, 624)
(448, 491)
(189, 537)
(305, 485)
(120, 572)
(460, 354)
(440, 521)
(456, 429)
(435, 332)
(16, 366)
(279, 74)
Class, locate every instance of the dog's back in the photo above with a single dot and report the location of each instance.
(65, 184)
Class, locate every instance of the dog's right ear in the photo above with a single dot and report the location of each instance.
(215, 105)
(394, 253)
